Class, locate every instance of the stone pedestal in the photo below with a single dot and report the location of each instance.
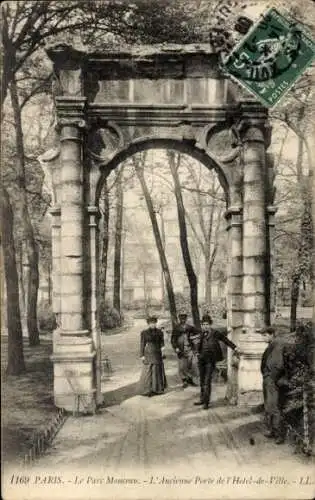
(73, 374)
(249, 377)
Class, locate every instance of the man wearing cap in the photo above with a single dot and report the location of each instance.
(182, 344)
(209, 353)
(272, 370)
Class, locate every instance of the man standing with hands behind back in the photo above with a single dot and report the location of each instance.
(209, 353)
(272, 369)
(183, 346)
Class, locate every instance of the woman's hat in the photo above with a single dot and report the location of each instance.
(152, 319)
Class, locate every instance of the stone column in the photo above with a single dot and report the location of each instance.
(74, 355)
(94, 216)
(253, 130)
(55, 212)
(234, 295)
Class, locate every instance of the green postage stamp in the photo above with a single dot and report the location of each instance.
(271, 57)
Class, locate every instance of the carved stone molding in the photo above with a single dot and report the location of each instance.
(104, 142)
(50, 163)
(219, 139)
(71, 121)
(254, 131)
(55, 210)
(94, 215)
(271, 211)
(252, 123)
(71, 111)
(68, 70)
(233, 216)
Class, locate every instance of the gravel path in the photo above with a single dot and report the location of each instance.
(167, 441)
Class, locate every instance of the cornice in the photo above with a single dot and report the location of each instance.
(158, 114)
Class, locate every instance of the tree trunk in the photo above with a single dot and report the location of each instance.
(145, 293)
(105, 243)
(299, 161)
(184, 242)
(49, 280)
(16, 363)
(159, 244)
(295, 292)
(122, 273)
(118, 239)
(32, 250)
(296, 278)
(19, 254)
(164, 244)
(208, 290)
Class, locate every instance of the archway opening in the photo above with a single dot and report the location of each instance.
(139, 200)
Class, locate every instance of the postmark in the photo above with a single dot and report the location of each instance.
(229, 24)
(271, 57)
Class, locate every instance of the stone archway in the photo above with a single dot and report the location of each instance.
(115, 104)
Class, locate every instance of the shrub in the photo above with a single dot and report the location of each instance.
(140, 304)
(217, 308)
(109, 317)
(46, 317)
(182, 303)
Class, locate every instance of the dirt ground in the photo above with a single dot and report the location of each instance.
(165, 446)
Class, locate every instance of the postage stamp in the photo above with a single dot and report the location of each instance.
(271, 57)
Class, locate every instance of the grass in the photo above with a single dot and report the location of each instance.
(27, 400)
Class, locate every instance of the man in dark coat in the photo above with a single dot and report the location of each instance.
(182, 344)
(272, 370)
(209, 353)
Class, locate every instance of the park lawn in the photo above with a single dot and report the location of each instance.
(27, 400)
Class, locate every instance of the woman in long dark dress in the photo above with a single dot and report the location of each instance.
(153, 379)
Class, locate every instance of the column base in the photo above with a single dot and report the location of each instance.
(252, 346)
(74, 380)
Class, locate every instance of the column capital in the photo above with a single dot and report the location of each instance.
(55, 211)
(254, 130)
(233, 216)
(71, 112)
(94, 215)
(253, 109)
(233, 210)
(253, 124)
(93, 210)
(271, 211)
